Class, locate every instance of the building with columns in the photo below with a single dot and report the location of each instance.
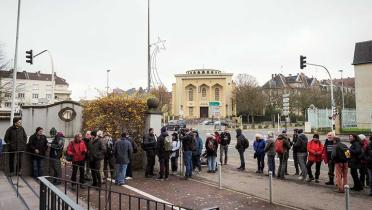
(203, 93)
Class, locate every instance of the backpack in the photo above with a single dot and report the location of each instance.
(168, 143)
(343, 153)
(210, 145)
(245, 142)
(279, 146)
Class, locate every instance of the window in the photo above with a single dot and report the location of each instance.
(21, 95)
(8, 95)
(191, 111)
(48, 96)
(217, 94)
(35, 95)
(21, 104)
(8, 104)
(191, 94)
(204, 92)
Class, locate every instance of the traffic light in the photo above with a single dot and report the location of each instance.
(302, 62)
(29, 57)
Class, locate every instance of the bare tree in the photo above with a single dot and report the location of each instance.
(164, 97)
(4, 61)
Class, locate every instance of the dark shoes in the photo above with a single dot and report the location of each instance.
(330, 183)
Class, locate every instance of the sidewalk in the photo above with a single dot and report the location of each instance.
(287, 192)
(8, 198)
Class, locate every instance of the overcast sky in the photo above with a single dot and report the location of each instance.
(87, 37)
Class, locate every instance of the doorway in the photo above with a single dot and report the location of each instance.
(204, 112)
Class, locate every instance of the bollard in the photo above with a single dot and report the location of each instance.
(220, 174)
(347, 191)
(270, 186)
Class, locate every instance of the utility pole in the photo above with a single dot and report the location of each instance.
(342, 90)
(148, 48)
(107, 87)
(15, 65)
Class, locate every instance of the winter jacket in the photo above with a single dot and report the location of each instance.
(286, 146)
(270, 147)
(338, 148)
(16, 138)
(149, 143)
(1, 146)
(327, 151)
(37, 143)
(175, 148)
(160, 151)
(355, 154)
(315, 150)
(187, 142)
(134, 145)
(198, 144)
(123, 151)
(259, 146)
(211, 151)
(294, 141)
(301, 144)
(95, 149)
(77, 150)
(240, 138)
(225, 138)
(56, 147)
(368, 155)
(218, 139)
(364, 143)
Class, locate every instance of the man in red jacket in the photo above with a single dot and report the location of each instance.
(77, 149)
(315, 150)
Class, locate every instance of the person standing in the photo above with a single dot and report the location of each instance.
(270, 151)
(340, 155)
(96, 155)
(87, 175)
(122, 151)
(242, 144)
(315, 149)
(327, 151)
(364, 177)
(129, 173)
(149, 146)
(224, 145)
(368, 156)
(301, 147)
(188, 147)
(38, 147)
(163, 150)
(16, 138)
(259, 152)
(56, 152)
(109, 162)
(198, 145)
(282, 146)
(211, 146)
(355, 161)
(295, 158)
(176, 144)
(77, 150)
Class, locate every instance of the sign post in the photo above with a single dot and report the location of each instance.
(286, 108)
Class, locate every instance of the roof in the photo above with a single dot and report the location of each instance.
(34, 76)
(281, 81)
(363, 53)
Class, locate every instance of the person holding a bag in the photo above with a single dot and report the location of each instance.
(259, 152)
(176, 144)
(149, 146)
(77, 150)
(282, 146)
(211, 146)
(163, 150)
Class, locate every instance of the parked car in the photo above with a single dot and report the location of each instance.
(181, 124)
(207, 122)
(223, 123)
(172, 125)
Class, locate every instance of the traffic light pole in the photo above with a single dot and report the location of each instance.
(15, 65)
(332, 99)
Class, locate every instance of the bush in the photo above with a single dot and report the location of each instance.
(266, 126)
(259, 126)
(356, 130)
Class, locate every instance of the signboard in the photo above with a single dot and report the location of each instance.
(214, 103)
(285, 104)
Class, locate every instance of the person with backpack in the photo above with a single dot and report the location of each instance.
(37, 145)
(56, 153)
(368, 158)
(301, 147)
(224, 145)
(108, 161)
(282, 146)
(355, 161)
(242, 144)
(315, 149)
(211, 146)
(149, 146)
(96, 155)
(176, 145)
(259, 152)
(364, 177)
(198, 144)
(77, 150)
(327, 152)
(163, 150)
(340, 155)
(122, 152)
(187, 139)
(270, 151)
(295, 158)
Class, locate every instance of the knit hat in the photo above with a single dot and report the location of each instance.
(300, 131)
(316, 136)
(60, 134)
(362, 136)
(38, 129)
(258, 135)
(270, 134)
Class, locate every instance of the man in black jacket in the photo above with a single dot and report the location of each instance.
(295, 158)
(241, 145)
(149, 146)
(96, 154)
(163, 154)
(16, 139)
(37, 146)
(225, 142)
(188, 146)
(301, 148)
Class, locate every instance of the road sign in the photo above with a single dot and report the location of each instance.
(285, 100)
(286, 95)
(214, 103)
(286, 104)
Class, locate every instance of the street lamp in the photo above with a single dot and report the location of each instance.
(342, 90)
(107, 87)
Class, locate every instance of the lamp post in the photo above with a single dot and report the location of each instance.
(107, 87)
(342, 90)
(148, 48)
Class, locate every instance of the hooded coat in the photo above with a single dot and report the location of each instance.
(315, 150)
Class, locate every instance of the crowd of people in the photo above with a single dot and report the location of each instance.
(99, 157)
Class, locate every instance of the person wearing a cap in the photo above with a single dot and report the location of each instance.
(364, 177)
(37, 147)
(283, 158)
(270, 151)
(56, 152)
(211, 146)
(15, 138)
(315, 149)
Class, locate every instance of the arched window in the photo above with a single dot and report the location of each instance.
(191, 94)
(217, 94)
(204, 92)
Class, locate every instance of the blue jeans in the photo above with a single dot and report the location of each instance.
(211, 163)
(37, 168)
(271, 163)
(188, 163)
(121, 169)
